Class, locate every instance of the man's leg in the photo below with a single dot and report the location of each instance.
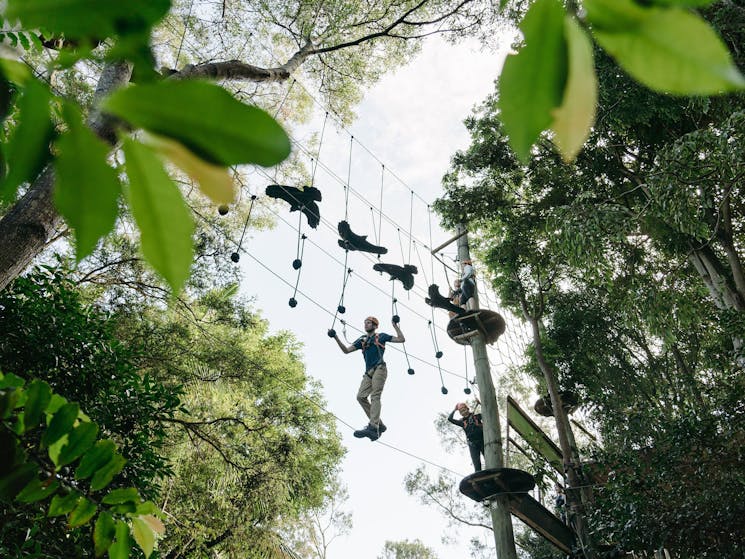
(380, 374)
(366, 386)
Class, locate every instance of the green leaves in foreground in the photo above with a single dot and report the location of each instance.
(671, 50)
(36, 420)
(206, 119)
(87, 189)
(164, 220)
(551, 80)
(95, 19)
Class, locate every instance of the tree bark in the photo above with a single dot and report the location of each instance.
(578, 493)
(29, 225)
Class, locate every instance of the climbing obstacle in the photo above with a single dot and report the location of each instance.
(489, 324)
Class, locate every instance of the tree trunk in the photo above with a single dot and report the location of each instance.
(578, 493)
(29, 225)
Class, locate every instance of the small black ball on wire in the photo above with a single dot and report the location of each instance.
(396, 319)
(467, 390)
(410, 371)
(342, 309)
(438, 355)
(297, 263)
(223, 209)
(444, 390)
(292, 302)
(235, 257)
(331, 333)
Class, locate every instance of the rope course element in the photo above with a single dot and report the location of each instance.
(235, 256)
(438, 355)
(396, 319)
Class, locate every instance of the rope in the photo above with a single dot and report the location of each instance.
(438, 354)
(411, 224)
(318, 153)
(380, 206)
(348, 186)
(394, 312)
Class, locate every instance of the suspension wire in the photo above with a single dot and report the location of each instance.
(282, 103)
(318, 153)
(298, 262)
(380, 206)
(467, 389)
(401, 244)
(431, 256)
(421, 264)
(447, 276)
(341, 309)
(411, 224)
(437, 355)
(394, 312)
(375, 231)
(348, 185)
(235, 256)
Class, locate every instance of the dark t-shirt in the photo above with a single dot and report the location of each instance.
(472, 425)
(373, 353)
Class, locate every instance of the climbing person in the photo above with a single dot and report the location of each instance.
(454, 296)
(560, 502)
(473, 426)
(467, 283)
(372, 345)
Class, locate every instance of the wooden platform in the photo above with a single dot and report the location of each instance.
(489, 324)
(483, 485)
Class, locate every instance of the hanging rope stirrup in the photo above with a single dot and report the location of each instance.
(235, 256)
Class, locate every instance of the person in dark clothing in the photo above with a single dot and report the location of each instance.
(474, 428)
(372, 345)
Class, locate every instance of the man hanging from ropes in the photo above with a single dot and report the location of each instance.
(474, 428)
(372, 345)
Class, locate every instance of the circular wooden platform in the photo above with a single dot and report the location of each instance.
(490, 483)
(489, 323)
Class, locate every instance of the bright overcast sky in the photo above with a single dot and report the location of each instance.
(412, 123)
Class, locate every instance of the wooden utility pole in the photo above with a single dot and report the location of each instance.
(499, 506)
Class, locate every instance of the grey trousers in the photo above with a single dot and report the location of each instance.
(371, 386)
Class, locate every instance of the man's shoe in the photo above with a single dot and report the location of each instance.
(368, 431)
(382, 429)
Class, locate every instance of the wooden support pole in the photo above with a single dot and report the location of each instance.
(499, 507)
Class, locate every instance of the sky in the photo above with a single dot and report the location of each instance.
(408, 127)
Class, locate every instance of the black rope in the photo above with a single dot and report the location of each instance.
(438, 353)
(340, 308)
(411, 224)
(396, 319)
(297, 264)
(318, 154)
(235, 256)
(421, 265)
(380, 207)
(348, 186)
(467, 389)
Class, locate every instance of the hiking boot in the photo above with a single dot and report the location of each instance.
(368, 431)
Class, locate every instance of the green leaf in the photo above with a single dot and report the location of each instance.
(106, 473)
(143, 535)
(12, 483)
(61, 423)
(147, 508)
(11, 381)
(28, 150)
(164, 221)
(79, 441)
(88, 18)
(55, 448)
(62, 504)
(87, 188)
(125, 495)
(222, 131)
(16, 72)
(667, 49)
(576, 115)
(36, 490)
(9, 401)
(532, 81)
(122, 544)
(103, 533)
(55, 404)
(101, 453)
(38, 397)
(215, 181)
(82, 513)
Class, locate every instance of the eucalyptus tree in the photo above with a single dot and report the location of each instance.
(343, 45)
